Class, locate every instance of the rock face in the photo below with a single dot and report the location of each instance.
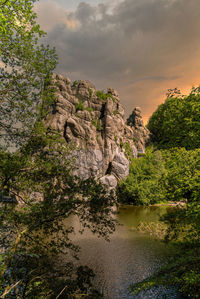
(140, 132)
(94, 122)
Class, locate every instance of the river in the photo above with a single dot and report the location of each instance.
(129, 257)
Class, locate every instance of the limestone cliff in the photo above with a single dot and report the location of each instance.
(94, 122)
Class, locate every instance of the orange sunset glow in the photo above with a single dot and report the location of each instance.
(141, 48)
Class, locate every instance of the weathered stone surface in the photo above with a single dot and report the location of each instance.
(120, 166)
(109, 180)
(140, 133)
(88, 163)
(113, 92)
(85, 115)
(97, 128)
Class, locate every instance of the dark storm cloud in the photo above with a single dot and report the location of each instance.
(141, 47)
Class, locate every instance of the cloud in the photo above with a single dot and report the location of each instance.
(50, 14)
(141, 48)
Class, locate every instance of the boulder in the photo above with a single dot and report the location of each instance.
(120, 166)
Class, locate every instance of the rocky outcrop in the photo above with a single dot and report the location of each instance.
(140, 132)
(94, 122)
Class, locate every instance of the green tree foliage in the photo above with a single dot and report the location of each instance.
(144, 185)
(180, 182)
(34, 235)
(39, 236)
(182, 173)
(160, 176)
(176, 123)
(25, 66)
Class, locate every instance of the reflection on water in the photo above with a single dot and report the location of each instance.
(129, 257)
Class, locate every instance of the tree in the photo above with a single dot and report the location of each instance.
(25, 67)
(39, 236)
(175, 132)
(34, 235)
(182, 224)
(144, 184)
(176, 122)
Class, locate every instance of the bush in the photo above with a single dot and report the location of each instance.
(75, 83)
(97, 124)
(90, 91)
(115, 112)
(104, 96)
(80, 106)
(89, 109)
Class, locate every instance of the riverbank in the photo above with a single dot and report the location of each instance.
(162, 204)
(170, 204)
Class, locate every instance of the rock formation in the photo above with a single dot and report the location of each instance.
(140, 132)
(94, 122)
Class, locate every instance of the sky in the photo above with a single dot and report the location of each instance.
(141, 48)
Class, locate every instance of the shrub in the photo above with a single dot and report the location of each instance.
(128, 151)
(90, 91)
(103, 96)
(121, 144)
(80, 106)
(115, 112)
(75, 83)
(89, 109)
(97, 124)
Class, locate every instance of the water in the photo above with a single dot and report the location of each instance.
(129, 257)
